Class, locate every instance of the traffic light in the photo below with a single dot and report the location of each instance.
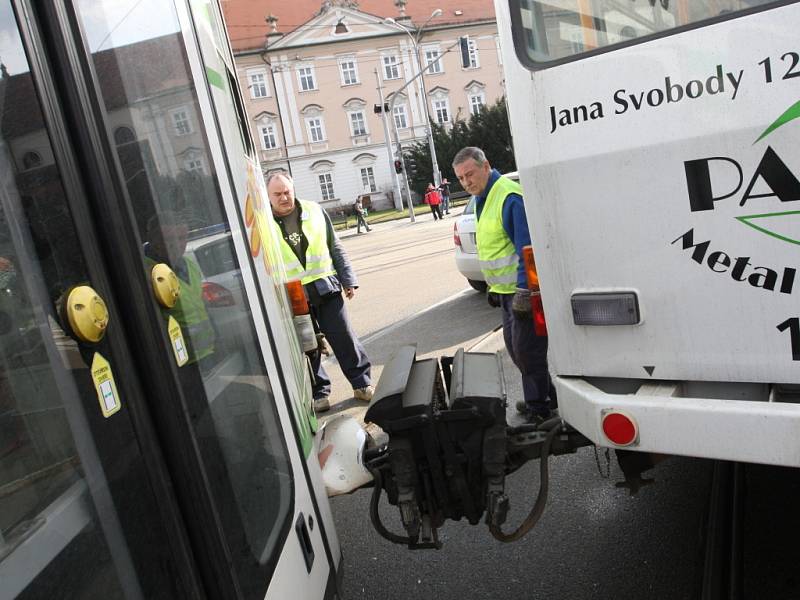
(411, 167)
(398, 166)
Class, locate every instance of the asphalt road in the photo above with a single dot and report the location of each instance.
(594, 540)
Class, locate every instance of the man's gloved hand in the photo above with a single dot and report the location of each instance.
(493, 299)
(521, 304)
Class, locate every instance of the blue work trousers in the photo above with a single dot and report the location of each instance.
(331, 317)
(529, 353)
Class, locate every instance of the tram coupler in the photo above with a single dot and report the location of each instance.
(449, 445)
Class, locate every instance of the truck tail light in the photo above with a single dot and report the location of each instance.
(619, 428)
(297, 297)
(607, 308)
(539, 322)
(303, 324)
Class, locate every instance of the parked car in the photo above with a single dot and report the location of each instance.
(223, 292)
(466, 246)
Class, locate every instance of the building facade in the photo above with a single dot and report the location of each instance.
(313, 93)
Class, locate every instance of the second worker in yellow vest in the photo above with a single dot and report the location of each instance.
(501, 233)
(313, 254)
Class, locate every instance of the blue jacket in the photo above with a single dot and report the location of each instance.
(515, 223)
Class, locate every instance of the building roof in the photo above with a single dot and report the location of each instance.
(247, 27)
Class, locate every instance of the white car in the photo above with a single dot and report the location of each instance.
(466, 246)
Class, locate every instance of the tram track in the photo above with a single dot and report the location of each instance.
(723, 550)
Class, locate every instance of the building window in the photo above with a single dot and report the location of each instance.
(357, 123)
(194, 164)
(31, 160)
(368, 179)
(306, 77)
(326, 186)
(433, 57)
(474, 62)
(476, 102)
(442, 110)
(349, 71)
(180, 118)
(257, 82)
(391, 68)
(316, 132)
(123, 135)
(268, 139)
(400, 119)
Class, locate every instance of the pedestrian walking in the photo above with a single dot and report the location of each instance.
(360, 213)
(501, 233)
(434, 199)
(313, 254)
(444, 190)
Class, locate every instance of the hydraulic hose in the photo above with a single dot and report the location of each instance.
(375, 517)
(544, 486)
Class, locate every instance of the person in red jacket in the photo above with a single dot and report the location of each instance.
(434, 199)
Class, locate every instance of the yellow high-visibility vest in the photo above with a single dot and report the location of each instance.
(319, 263)
(497, 255)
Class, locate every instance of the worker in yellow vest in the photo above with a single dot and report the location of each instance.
(313, 254)
(501, 233)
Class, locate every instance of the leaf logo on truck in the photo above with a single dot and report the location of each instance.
(781, 183)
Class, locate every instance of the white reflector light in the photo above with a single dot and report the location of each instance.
(618, 308)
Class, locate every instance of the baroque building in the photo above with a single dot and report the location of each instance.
(313, 76)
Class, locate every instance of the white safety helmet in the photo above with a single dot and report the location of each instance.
(342, 442)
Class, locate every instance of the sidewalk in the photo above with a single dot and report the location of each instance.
(422, 215)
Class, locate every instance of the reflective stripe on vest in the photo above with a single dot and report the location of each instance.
(319, 263)
(190, 312)
(496, 253)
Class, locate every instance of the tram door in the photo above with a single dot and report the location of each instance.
(147, 449)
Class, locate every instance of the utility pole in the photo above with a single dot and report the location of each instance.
(398, 200)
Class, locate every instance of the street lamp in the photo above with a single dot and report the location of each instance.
(415, 43)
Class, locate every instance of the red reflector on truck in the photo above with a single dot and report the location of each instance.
(620, 429)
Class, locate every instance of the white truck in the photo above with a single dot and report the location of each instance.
(657, 146)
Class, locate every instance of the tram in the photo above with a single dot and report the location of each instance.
(156, 430)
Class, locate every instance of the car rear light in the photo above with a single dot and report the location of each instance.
(619, 428)
(539, 322)
(297, 296)
(456, 237)
(216, 296)
(605, 309)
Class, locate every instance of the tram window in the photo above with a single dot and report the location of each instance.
(554, 31)
(142, 69)
(76, 518)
